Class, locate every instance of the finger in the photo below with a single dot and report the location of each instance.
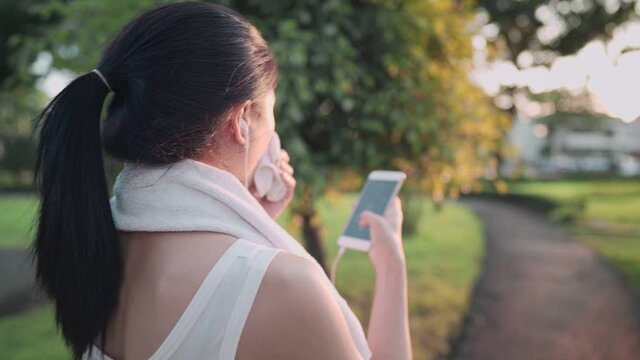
(289, 180)
(368, 218)
(287, 168)
(290, 183)
(285, 155)
(365, 218)
(394, 207)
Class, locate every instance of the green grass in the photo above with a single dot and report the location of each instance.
(611, 221)
(607, 200)
(18, 213)
(623, 252)
(621, 209)
(31, 335)
(443, 260)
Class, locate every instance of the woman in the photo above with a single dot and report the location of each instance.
(184, 262)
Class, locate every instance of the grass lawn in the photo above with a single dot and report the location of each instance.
(623, 252)
(611, 222)
(17, 213)
(443, 260)
(615, 201)
(30, 336)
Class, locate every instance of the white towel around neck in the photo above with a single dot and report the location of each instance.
(190, 195)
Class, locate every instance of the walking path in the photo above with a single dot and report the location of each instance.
(545, 296)
(16, 282)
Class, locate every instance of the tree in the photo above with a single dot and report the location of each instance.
(577, 22)
(364, 84)
(18, 100)
(15, 21)
(378, 84)
(534, 32)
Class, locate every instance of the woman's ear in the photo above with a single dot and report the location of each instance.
(241, 123)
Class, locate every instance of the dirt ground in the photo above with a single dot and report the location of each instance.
(17, 289)
(545, 296)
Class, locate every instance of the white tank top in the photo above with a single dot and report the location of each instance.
(211, 325)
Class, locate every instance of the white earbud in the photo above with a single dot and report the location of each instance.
(244, 129)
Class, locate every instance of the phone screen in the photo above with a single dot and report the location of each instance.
(374, 197)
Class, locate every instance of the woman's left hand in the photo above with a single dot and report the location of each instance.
(274, 209)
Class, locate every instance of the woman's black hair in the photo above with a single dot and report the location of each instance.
(176, 71)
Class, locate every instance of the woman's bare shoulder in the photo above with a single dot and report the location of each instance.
(294, 316)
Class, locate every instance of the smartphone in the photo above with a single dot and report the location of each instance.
(378, 191)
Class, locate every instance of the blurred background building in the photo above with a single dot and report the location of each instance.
(574, 143)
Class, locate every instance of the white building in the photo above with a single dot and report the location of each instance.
(565, 143)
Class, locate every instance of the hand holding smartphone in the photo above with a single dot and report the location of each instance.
(379, 190)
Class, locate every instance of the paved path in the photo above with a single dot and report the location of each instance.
(16, 282)
(545, 296)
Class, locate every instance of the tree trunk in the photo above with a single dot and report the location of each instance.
(310, 229)
(313, 239)
(512, 111)
(412, 207)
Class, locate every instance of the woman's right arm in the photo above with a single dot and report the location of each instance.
(388, 333)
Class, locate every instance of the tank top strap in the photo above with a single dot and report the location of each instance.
(201, 298)
(261, 256)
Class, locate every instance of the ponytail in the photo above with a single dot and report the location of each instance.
(76, 249)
